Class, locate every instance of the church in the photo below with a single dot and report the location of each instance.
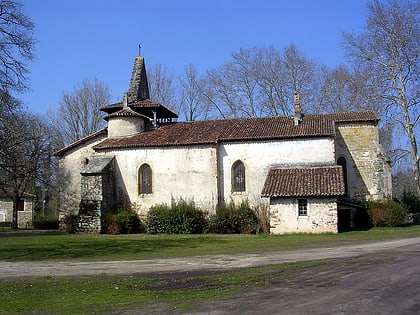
(309, 171)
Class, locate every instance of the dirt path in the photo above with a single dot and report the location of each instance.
(15, 270)
(384, 283)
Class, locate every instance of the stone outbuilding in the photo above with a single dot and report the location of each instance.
(304, 199)
(302, 166)
(25, 210)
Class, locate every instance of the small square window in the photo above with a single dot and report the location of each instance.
(303, 207)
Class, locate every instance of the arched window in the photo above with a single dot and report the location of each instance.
(238, 176)
(145, 179)
(343, 163)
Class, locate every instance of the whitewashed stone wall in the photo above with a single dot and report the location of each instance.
(190, 172)
(124, 126)
(177, 172)
(322, 216)
(70, 167)
(260, 157)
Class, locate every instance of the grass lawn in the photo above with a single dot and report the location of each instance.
(133, 294)
(58, 246)
(136, 294)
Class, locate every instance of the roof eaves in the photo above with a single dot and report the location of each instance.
(100, 147)
(61, 151)
(324, 181)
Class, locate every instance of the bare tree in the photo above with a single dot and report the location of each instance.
(16, 47)
(25, 158)
(162, 88)
(193, 106)
(209, 95)
(388, 50)
(261, 81)
(273, 92)
(301, 74)
(79, 110)
(343, 90)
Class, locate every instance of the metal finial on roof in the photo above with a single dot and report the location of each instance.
(139, 49)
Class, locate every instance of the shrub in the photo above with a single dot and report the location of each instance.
(387, 213)
(221, 221)
(232, 219)
(411, 201)
(182, 217)
(154, 218)
(69, 224)
(113, 226)
(263, 215)
(43, 222)
(129, 221)
(46, 224)
(125, 221)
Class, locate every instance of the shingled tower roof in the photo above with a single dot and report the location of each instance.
(139, 87)
(138, 98)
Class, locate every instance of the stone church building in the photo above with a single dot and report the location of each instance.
(307, 169)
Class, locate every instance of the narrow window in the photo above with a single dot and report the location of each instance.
(21, 205)
(145, 179)
(303, 207)
(238, 176)
(343, 163)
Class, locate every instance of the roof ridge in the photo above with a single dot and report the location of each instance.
(77, 142)
(125, 112)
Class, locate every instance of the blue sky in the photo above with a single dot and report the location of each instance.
(87, 39)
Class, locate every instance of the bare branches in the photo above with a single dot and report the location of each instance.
(192, 98)
(389, 52)
(261, 82)
(16, 46)
(25, 157)
(162, 86)
(79, 110)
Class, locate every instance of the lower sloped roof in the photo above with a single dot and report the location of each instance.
(304, 182)
(97, 165)
(7, 192)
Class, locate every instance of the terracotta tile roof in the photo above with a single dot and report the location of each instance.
(140, 105)
(145, 103)
(210, 131)
(7, 192)
(125, 112)
(304, 182)
(61, 151)
(363, 116)
(114, 106)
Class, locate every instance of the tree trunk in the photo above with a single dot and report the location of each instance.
(15, 213)
(415, 157)
(408, 125)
